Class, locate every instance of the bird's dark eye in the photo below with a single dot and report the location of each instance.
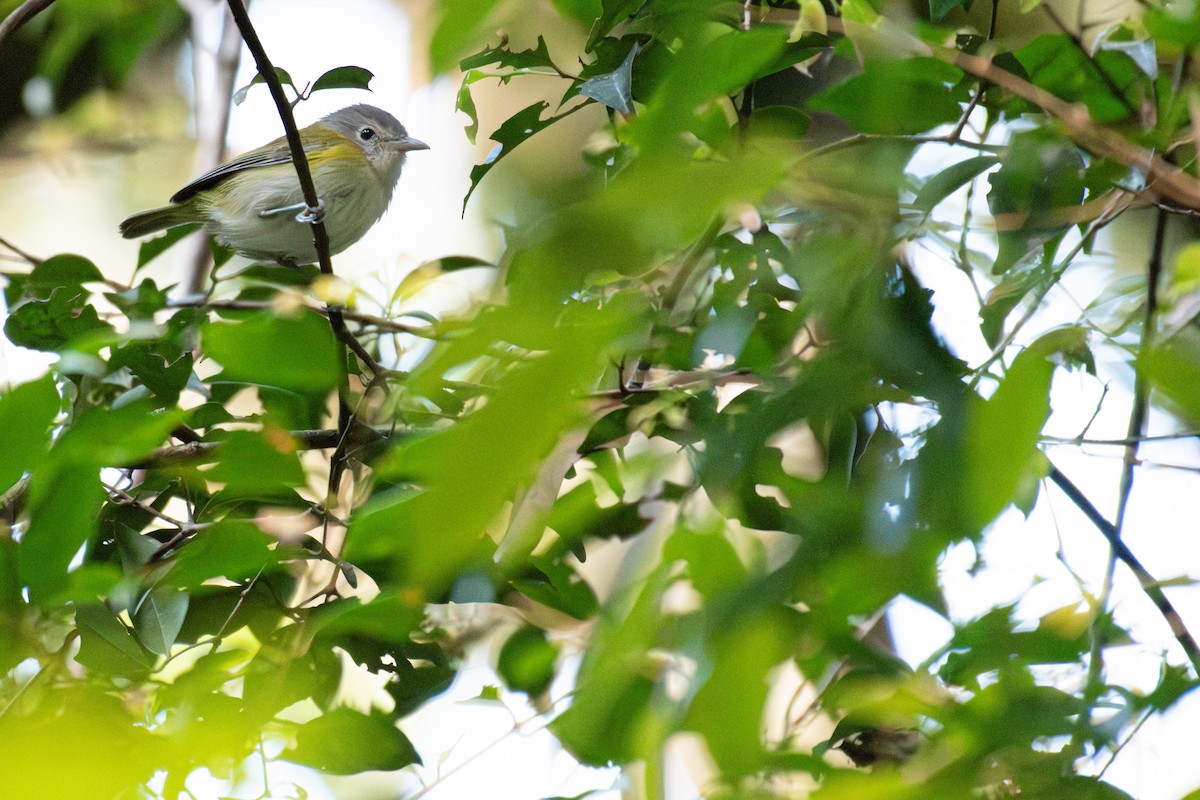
(366, 134)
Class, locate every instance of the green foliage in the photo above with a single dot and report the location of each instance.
(714, 352)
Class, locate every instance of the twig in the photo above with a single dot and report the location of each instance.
(1137, 425)
(1150, 585)
(32, 260)
(22, 14)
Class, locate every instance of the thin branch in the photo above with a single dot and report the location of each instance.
(1136, 429)
(29, 258)
(1162, 437)
(22, 14)
(1150, 585)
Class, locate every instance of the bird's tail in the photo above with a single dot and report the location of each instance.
(157, 219)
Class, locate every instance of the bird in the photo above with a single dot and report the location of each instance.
(253, 203)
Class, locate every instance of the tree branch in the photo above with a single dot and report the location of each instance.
(22, 14)
(1150, 585)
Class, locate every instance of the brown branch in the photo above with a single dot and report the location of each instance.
(22, 14)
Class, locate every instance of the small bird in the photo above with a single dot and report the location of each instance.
(253, 203)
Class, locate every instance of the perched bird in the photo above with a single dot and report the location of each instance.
(253, 203)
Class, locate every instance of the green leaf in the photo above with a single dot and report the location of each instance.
(515, 130)
(239, 96)
(938, 9)
(526, 661)
(343, 742)
(896, 98)
(458, 21)
(466, 103)
(585, 11)
(946, 182)
(26, 413)
(52, 324)
(612, 12)
(64, 509)
(227, 549)
(254, 462)
(158, 618)
(558, 586)
(105, 644)
(151, 249)
(298, 352)
(537, 56)
(1033, 193)
(1002, 437)
(614, 89)
(63, 270)
(344, 78)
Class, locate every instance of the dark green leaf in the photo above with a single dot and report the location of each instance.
(254, 462)
(105, 644)
(938, 9)
(1003, 435)
(344, 78)
(54, 323)
(515, 130)
(526, 661)
(343, 742)
(538, 56)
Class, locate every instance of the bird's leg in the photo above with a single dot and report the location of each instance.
(307, 213)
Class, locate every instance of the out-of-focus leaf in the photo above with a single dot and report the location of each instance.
(1034, 193)
(227, 549)
(526, 661)
(557, 586)
(343, 742)
(457, 23)
(938, 9)
(1002, 438)
(896, 97)
(729, 707)
(26, 412)
(151, 249)
(943, 184)
(297, 352)
(253, 462)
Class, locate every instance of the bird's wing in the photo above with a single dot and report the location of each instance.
(276, 152)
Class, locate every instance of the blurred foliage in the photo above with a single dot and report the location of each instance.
(195, 544)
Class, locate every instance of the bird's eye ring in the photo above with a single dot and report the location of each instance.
(366, 134)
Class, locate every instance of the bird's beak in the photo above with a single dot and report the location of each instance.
(408, 143)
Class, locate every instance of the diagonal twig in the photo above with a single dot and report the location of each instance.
(1150, 585)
